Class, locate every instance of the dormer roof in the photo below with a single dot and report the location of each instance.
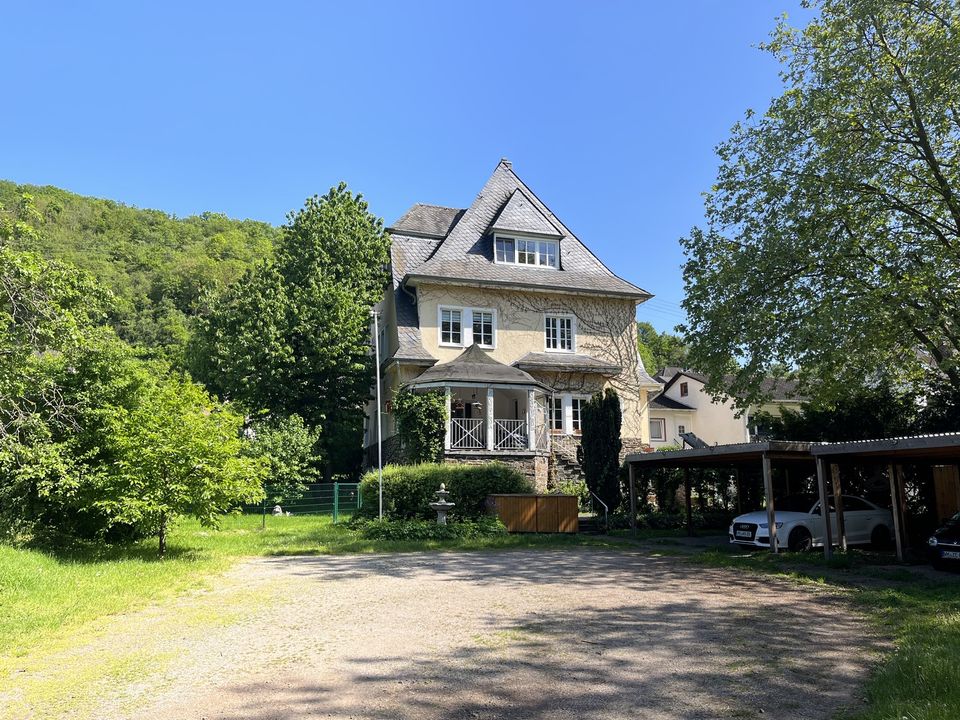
(520, 216)
(464, 252)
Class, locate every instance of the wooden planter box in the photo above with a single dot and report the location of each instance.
(537, 513)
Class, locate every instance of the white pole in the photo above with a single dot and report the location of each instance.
(376, 357)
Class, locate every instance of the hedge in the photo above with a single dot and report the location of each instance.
(408, 490)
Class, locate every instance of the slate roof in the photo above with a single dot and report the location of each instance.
(521, 216)
(465, 251)
(407, 251)
(666, 403)
(475, 366)
(428, 220)
(566, 362)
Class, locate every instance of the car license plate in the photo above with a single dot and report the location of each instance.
(950, 554)
(744, 533)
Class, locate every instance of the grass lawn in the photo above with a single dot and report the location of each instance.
(44, 596)
(921, 679)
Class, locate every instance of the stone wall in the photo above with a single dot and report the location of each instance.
(534, 467)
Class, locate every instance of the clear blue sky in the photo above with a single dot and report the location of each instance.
(609, 110)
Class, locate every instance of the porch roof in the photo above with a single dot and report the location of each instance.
(474, 367)
(566, 362)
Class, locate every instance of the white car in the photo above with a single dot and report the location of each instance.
(800, 524)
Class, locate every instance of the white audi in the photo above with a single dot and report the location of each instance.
(800, 524)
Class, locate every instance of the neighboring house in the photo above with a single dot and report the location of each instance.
(683, 406)
(506, 311)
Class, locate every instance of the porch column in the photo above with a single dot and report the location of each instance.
(490, 419)
(446, 437)
(771, 514)
(825, 508)
(531, 429)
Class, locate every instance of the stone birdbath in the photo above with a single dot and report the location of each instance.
(442, 505)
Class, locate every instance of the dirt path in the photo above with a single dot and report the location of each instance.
(514, 634)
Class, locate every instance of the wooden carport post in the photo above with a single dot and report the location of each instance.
(771, 515)
(688, 499)
(895, 504)
(824, 509)
(633, 499)
(838, 502)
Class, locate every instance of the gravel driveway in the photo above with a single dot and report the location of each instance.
(571, 633)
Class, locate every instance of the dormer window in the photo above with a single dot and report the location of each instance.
(526, 251)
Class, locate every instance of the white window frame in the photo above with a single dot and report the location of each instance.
(573, 332)
(681, 429)
(583, 401)
(662, 422)
(540, 251)
(556, 402)
(466, 326)
(493, 314)
(463, 326)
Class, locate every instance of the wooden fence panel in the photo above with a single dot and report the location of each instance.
(537, 513)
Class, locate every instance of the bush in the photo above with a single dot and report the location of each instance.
(408, 490)
(417, 530)
(600, 440)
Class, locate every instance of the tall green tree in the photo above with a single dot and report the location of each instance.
(179, 452)
(833, 230)
(292, 337)
(660, 349)
(601, 445)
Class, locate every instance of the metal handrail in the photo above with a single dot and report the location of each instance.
(606, 521)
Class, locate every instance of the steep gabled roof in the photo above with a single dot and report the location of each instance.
(465, 253)
(521, 216)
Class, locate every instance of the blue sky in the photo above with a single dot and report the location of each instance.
(609, 110)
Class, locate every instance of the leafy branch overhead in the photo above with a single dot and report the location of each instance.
(833, 233)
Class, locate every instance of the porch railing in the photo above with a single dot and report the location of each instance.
(467, 434)
(510, 434)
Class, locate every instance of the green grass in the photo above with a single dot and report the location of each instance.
(46, 595)
(921, 679)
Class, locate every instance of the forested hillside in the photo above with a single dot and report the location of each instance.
(158, 265)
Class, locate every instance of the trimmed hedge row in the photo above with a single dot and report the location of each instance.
(408, 490)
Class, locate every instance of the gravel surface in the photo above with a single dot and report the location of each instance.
(571, 633)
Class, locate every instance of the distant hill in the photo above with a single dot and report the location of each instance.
(157, 264)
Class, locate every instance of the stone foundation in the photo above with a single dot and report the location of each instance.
(533, 467)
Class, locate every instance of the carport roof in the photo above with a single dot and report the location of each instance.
(917, 447)
(725, 454)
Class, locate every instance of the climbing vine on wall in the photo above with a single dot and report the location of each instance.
(421, 423)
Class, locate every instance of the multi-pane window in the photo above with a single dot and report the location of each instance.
(684, 389)
(505, 250)
(559, 332)
(658, 429)
(555, 408)
(681, 429)
(451, 327)
(483, 328)
(526, 252)
(576, 404)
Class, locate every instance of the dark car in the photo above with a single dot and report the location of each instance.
(945, 543)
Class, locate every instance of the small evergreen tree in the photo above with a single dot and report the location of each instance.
(601, 420)
(421, 423)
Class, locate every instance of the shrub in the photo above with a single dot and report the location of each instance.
(421, 424)
(601, 445)
(408, 490)
(287, 444)
(418, 530)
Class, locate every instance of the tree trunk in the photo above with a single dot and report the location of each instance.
(162, 534)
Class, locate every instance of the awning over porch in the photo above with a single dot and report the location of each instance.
(474, 367)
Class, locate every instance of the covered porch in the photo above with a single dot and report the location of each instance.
(491, 407)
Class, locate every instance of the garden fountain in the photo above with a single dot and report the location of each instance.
(442, 505)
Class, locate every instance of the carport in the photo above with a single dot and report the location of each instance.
(737, 456)
(939, 453)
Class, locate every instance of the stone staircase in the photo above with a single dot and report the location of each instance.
(590, 525)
